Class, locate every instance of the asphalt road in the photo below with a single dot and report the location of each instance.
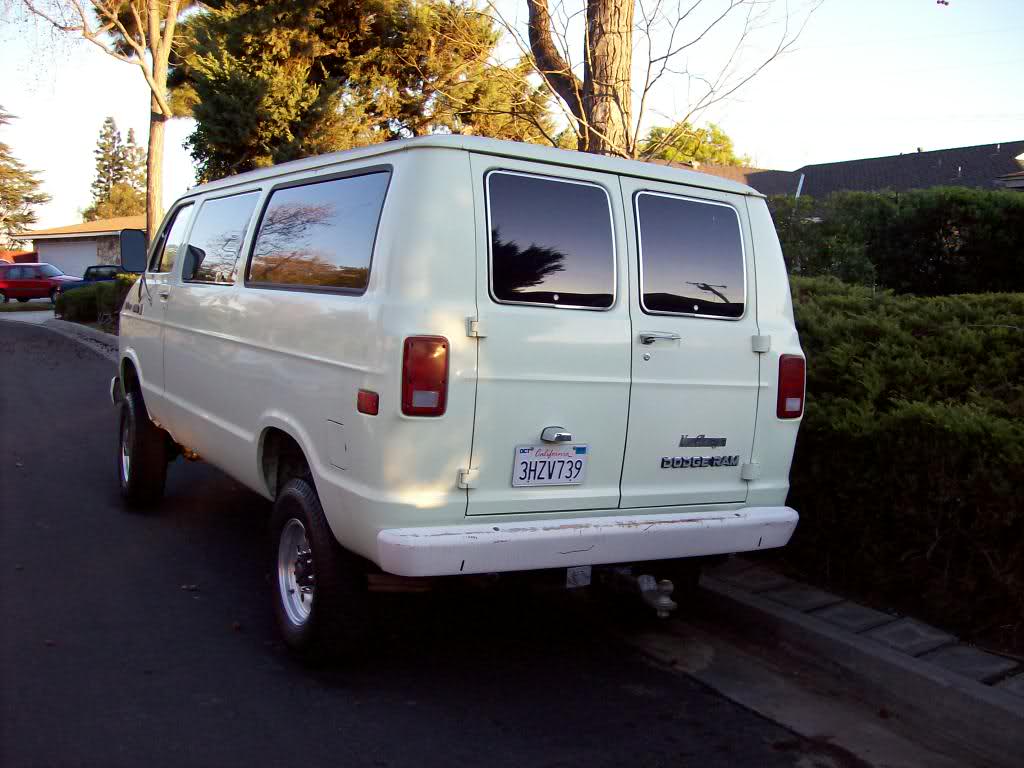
(147, 640)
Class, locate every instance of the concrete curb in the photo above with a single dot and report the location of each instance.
(957, 710)
(98, 341)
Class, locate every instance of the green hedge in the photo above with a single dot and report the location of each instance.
(910, 459)
(930, 242)
(95, 303)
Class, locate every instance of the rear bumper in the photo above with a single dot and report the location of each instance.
(520, 546)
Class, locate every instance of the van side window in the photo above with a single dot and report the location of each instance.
(216, 240)
(691, 257)
(551, 241)
(320, 235)
(171, 240)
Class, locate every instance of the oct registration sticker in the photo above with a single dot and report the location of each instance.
(549, 465)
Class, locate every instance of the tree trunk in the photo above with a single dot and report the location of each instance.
(607, 77)
(154, 168)
(602, 103)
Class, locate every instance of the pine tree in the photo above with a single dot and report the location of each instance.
(119, 188)
(273, 80)
(135, 163)
(19, 192)
(110, 167)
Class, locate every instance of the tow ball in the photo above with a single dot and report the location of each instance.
(656, 594)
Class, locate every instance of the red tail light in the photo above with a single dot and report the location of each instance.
(425, 376)
(367, 402)
(792, 370)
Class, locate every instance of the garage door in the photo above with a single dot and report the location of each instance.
(70, 258)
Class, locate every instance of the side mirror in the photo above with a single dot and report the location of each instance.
(133, 250)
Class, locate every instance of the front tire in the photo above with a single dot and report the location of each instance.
(320, 589)
(141, 455)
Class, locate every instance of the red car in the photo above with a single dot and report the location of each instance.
(31, 281)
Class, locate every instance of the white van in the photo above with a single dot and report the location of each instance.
(454, 355)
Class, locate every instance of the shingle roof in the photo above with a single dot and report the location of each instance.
(977, 166)
(89, 227)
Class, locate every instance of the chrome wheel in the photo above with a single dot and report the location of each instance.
(126, 460)
(295, 572)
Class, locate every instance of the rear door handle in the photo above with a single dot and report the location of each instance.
(163, 293)
(649, 337)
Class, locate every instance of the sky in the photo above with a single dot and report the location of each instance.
(867, 78)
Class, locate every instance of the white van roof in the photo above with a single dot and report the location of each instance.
(513, 149)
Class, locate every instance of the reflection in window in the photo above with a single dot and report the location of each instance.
(551, 242)
(691, 256)
(173, 235)
(216, 240)
(321, 234)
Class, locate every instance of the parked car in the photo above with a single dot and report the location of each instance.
(455, 355)
(32, 281)
(98, 273)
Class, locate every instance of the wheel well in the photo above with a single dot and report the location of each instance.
(130, 378)
(281, 459)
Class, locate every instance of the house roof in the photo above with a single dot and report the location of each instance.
(978, 166)
(98, 228)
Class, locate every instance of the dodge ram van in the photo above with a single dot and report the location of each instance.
(454, 355)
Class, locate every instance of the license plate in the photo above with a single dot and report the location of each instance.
(547, 465)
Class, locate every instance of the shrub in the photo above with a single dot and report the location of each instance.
(910, 456)
(100, 302)
(929, 242)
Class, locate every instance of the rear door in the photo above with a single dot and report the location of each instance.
(554, 352)
(694, 372)
(17, 285)
(37, 286)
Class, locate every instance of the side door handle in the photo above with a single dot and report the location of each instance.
(163, 293)
(649, 337)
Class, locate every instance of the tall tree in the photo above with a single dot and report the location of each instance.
(687, 144)
(273, 80)
(605, 96)
(19, 192)
(110, 161)
(137, 32)
(134, 163)
(119, 188)
(122, 200)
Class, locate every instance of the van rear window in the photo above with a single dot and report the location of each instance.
(551, 241)
(320, 235)
(691, 257)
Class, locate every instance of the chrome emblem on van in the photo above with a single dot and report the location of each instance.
(701, 441)
(697, 462)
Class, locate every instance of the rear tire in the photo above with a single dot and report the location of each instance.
(22, 301)
(141, 455)
(321, 601)
(3, 297)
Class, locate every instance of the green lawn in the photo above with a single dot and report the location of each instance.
(28, 306)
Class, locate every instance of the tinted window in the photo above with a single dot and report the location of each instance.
(551, 242)
(216, 240)
(16, 273)
(321, 234)
(691, 257)
(48, 270)
(171, 240)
